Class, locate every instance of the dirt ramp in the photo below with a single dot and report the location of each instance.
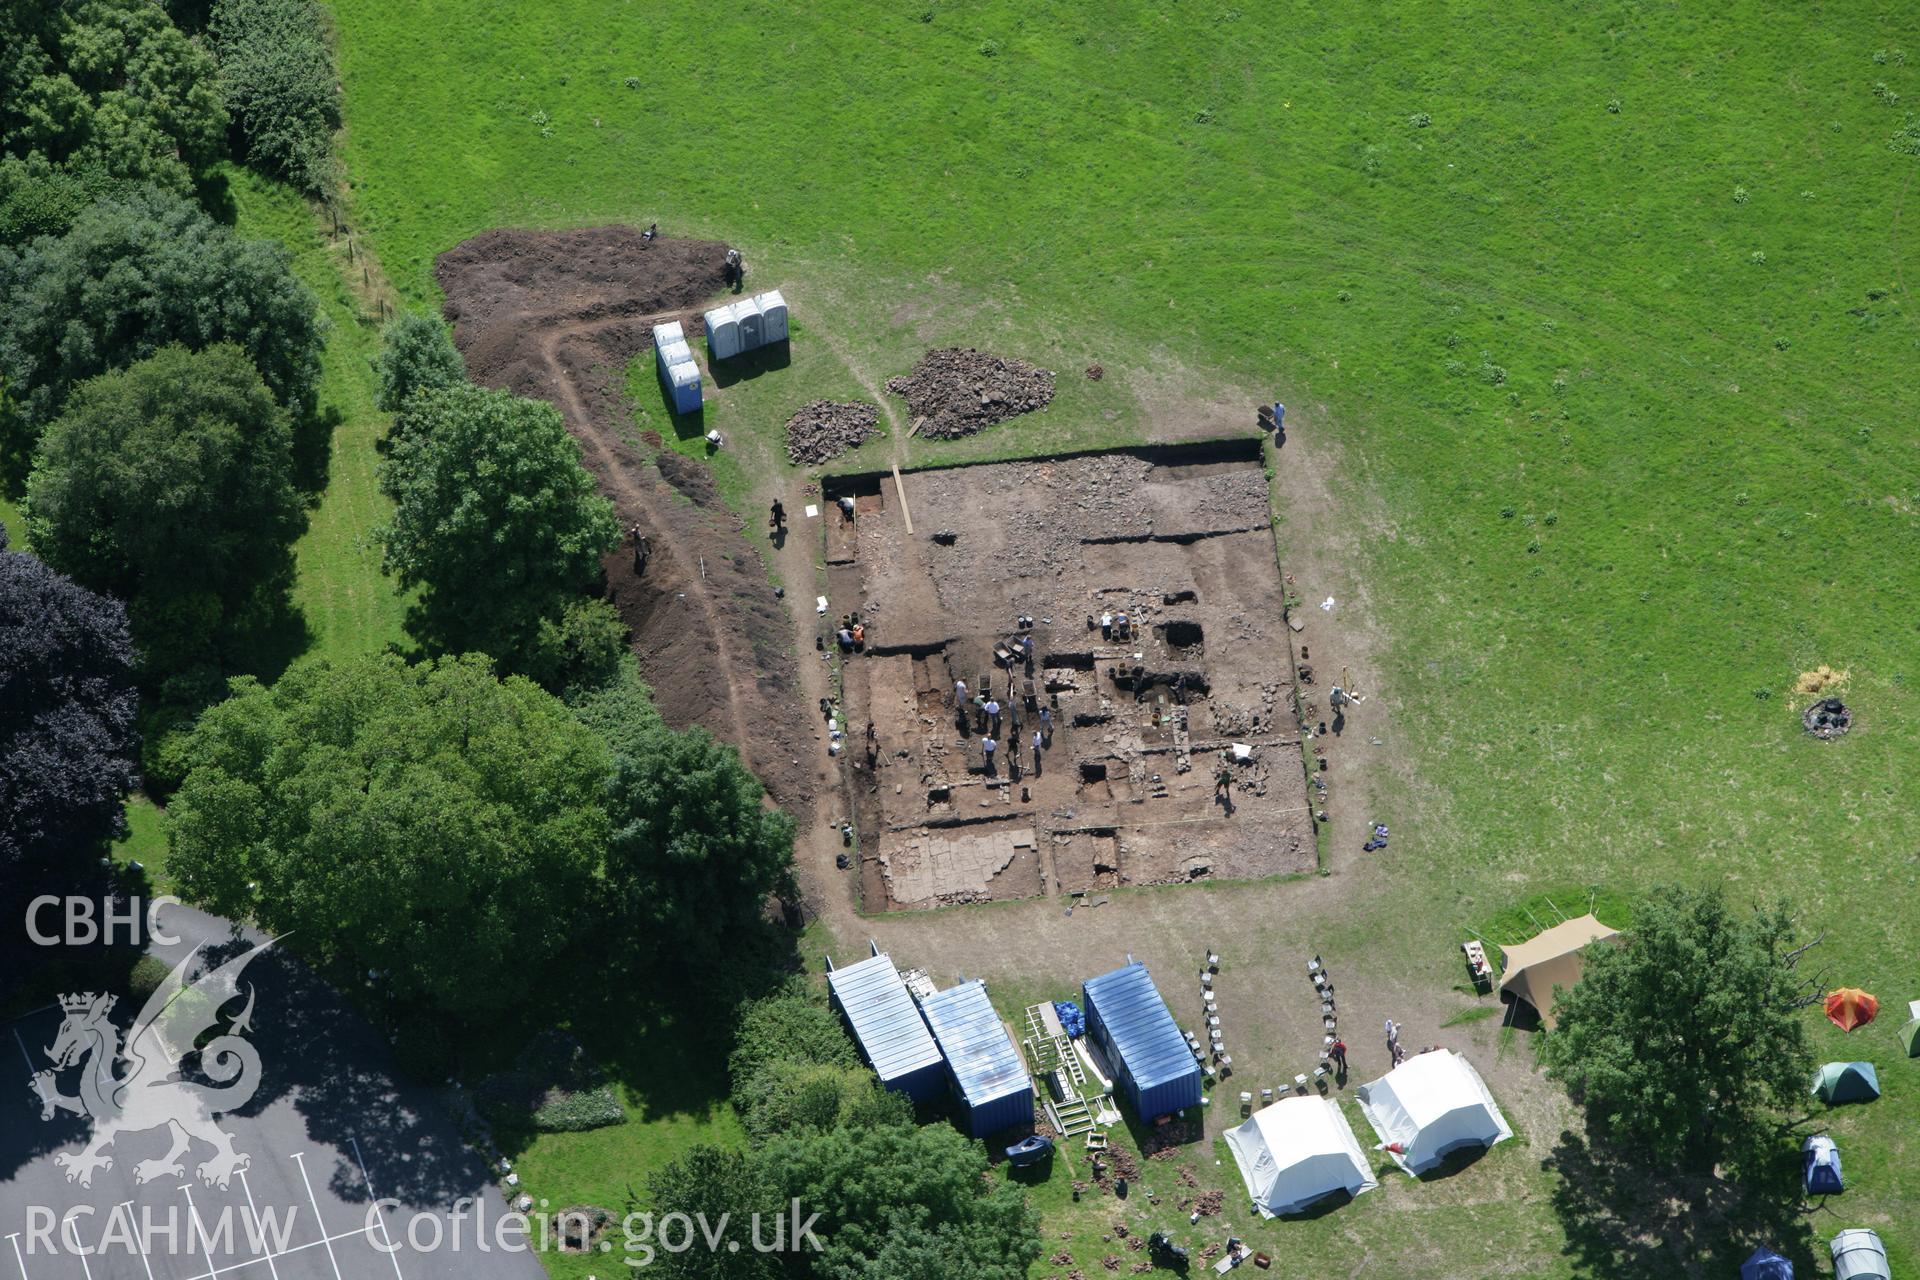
(557, 316)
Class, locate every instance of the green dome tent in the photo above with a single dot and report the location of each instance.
(1846, 1082)
(1910, 1037)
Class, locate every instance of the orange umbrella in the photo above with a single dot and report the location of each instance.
(1850, 1007)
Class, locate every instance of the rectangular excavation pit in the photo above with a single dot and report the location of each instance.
(1111, 752)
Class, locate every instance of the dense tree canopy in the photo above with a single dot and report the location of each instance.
(110, 88)
(67, 705)
(715, 1185)
(169, 484)
(129, 278)
(694, 853)
(1685, 1041)
(416, 354)
(494, 518)
(280, 86)
(430, 823)
(899, 1201)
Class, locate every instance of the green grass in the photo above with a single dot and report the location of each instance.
(349, 607)
(1613, 352)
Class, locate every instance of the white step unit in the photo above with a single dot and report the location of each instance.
(723, 333)
(752, 323)
(773, 317)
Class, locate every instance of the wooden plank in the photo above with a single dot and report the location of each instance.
(900, 488)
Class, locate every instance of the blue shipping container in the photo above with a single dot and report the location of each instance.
(887, 1025)
(1130, 1023)
(988, 1076)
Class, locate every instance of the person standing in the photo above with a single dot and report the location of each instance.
(1339, 1054)
(959, 693)
(1036, 753)
(987, 745)
(993, 715)
(777, 517)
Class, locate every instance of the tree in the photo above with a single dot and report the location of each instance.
(430, 824)
(898, 1200)
(67, 707)
(416, 354)
(129, 278)
(110, 87)
(793, 1025)
(280, 86)
(786, 1097)
(695, 853)
(715, 1186)
(1684, 1042)
(494, 517)
(169, 484)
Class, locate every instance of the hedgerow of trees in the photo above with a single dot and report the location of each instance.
(280, 86)
(133, 276)
(429, 824)
(169, 484)
(500, 527)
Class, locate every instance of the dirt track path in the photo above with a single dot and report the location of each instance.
(637, 499)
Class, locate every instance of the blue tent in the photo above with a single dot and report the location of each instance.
(1765, 1264)
(1820, 1160)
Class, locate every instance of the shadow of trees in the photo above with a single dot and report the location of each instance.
(1624, 1222)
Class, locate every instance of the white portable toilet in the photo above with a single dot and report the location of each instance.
(752, 323)
(1859, 1255)
(675, 353)
(773, 316)
(723, 333)
(683, 381)
(667, 333)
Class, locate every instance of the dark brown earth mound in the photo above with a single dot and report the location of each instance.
(557, 316)
(956, 391)
(826, 429)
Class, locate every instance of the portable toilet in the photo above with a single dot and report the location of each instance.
(668, 333)
(674, 353)
(723, 333)
(1820, 1166)
(746, 313)
(1859, 1255)
(773, 317)
(683, 386)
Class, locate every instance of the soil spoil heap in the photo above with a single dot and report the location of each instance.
(956, 391)
(825, 429)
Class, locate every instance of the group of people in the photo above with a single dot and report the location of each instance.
(991, 719)
(852, 633)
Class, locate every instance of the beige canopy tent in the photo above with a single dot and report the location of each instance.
(1548, 960)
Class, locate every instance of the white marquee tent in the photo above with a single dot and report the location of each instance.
(1429, 1105)
(1297, 1151)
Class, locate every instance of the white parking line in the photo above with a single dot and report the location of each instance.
(84, 1268)
(14, 1240)
(393, 1254)
(317, 1218)
(260, 1228)
(128, 1206)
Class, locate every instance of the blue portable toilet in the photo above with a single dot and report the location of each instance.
(1151, 1060)
(683, 386)
(886, 1024)
(1820, 1166)
(988, 1077)
(1764, 1264)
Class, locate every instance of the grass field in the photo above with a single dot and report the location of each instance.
(1604, 311)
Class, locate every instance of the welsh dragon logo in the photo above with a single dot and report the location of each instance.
(139, 1087)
